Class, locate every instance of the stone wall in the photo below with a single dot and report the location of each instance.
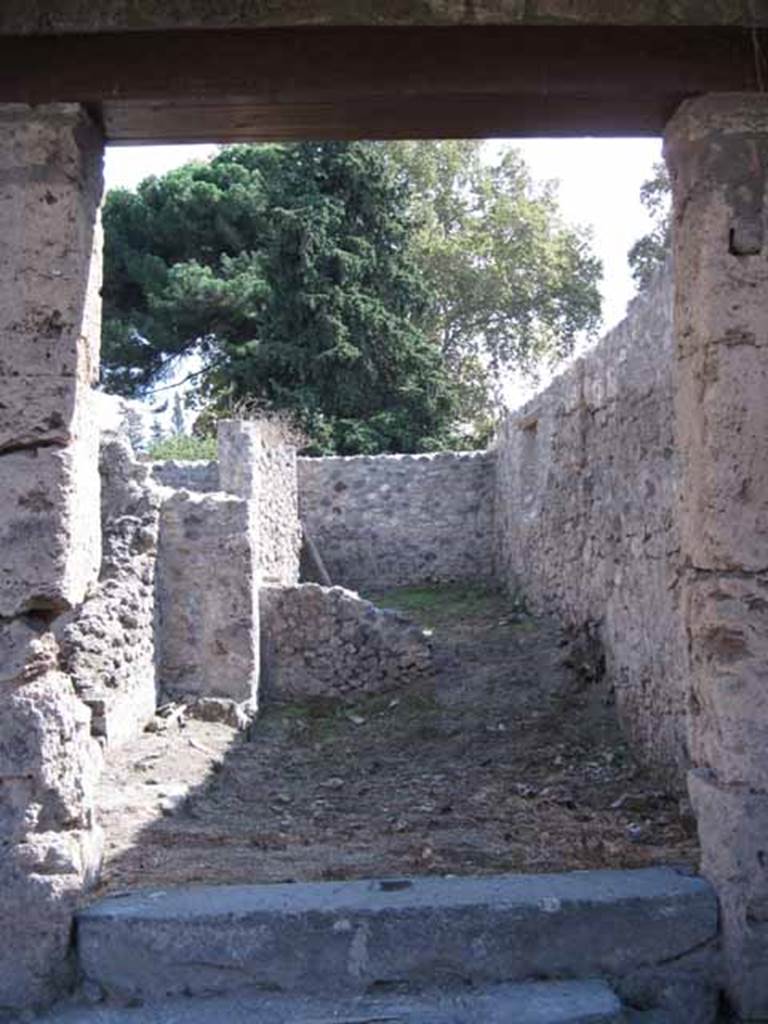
(108, 647)
(717, 152)
(208, 580)
(586, 500)
(256, 463)
(329, 642)
(50, 546)
(187, 474)
(397, 520)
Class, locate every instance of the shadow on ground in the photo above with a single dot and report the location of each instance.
(509, 760)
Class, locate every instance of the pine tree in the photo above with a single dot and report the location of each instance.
(289, 268)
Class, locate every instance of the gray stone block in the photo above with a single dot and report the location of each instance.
(50, 188)
(50, 541)
(586, 1002)
(48, 762)
(350, 937)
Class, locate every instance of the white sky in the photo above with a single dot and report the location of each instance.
(599, 179)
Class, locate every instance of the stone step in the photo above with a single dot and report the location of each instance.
(345, 938)
(569, 1002)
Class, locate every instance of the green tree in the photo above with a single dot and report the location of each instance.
(289, 269)
(380, 291)
(510, 284)
(651, 252)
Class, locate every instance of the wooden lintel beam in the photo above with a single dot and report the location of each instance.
(380, 82)
(418, 117)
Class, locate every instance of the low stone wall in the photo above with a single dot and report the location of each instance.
(327, 641)
(398, 520)
(187, 474)
(108, 646)
(585, 517)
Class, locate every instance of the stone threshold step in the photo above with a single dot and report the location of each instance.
(580, 1002)
(352, 938)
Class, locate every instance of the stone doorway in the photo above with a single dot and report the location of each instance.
(717, 153)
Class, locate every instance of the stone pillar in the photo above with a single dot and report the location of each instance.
(717, 151)
(208, 595)
(257, 462)
(50, 189)
(239, 449)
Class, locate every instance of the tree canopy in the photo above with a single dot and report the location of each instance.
(652, 250)
(510, 285)
(375, 290)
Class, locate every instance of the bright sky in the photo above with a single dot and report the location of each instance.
(599, 179)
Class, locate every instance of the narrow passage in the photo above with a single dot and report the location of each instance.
(509, 760)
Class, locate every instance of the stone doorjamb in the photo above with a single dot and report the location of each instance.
(716, 148)
(50, 532)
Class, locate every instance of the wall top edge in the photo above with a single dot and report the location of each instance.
(446, 456)
(607, 351)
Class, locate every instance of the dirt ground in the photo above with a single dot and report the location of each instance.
(510, 760)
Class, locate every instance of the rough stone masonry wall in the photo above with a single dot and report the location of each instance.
(397, 520)
(586, 493)
(329, 642)
(208, 579)
(187, 474)
(258, 465)
(109, 646)
(228, 528)
(50, 545)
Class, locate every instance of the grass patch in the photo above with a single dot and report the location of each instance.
(443, 604)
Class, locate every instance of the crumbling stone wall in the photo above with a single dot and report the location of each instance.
(187, 474)
(586, 499)
(327, 641)
(109, 646)
(50, 550)
(395, 520)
